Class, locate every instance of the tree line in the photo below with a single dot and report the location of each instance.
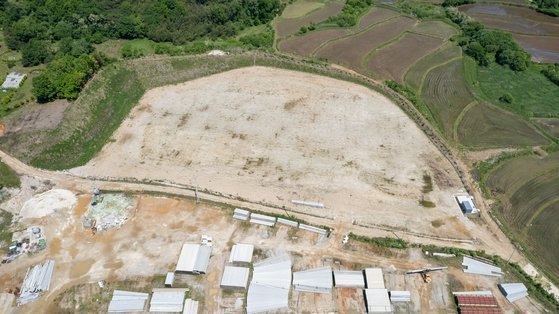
(64, 31)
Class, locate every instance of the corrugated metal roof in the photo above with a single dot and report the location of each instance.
(377, 301)
(264, 298)
(287, 222)
(167, 300)
(169, 279)
(241, 214)
(481, 292)
(513, 291)
(127, 301)
(235, 277)
(262, 219)
(190, 307)
(314, 280)
(194, 258)
(400, 296)
(476, 300)
(312, 229)
(270, 285)
(374, 278)
(480, 310)
(473, 266)
(349, 279)
(36, 280)
(241, 253)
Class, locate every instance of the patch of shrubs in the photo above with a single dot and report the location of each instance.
(350, 13)
(381, 242)
(552, 73)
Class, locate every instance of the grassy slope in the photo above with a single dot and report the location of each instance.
(8, 178)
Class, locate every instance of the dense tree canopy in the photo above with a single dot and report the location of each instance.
(178, 21)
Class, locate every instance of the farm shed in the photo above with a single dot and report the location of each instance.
(374, 278)
(377, 301)
(127, 301)
(241, 214)
(466, 203)
(287, 222)
(314, 280)
(235, 277)
(194, 259)
(270, 285)
(241, 253)
(190, 307)
(477, 304)
(169, 279)
(513, 291)
(400, 296)
(167, 300)
(474, 266)
(265, 220)
(13, 80)
(348, 279)
(312, 229)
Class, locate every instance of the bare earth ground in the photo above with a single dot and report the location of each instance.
(273, 135)
(149, 244)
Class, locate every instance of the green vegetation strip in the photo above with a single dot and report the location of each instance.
(535, 289)
(8, 178)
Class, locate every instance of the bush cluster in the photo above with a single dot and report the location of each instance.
(350, 13)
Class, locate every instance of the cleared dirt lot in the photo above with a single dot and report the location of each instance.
(272, 135)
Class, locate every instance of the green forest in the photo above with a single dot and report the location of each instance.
(61, 33)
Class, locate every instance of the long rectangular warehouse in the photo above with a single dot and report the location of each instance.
(194, 259)
(374, 278)
(349, 279)
(317, 280)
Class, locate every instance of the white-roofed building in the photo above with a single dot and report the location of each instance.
(194, 259)
(474, 266)
(13, 80)
(169, 279)
(513, 291)
(127, 301)
(235, 277)
(167, 300)
(270, 285)
(314, 280)
(190, 307)
(374, 278)
(241, 253)
(260, 219)
(466, 203)
(349, 279)
(377, 301)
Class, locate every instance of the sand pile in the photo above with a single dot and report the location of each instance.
(47, 203)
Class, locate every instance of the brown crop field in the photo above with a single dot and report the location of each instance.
(305, 45)
(488, 126)
(351, 51)
(392, 61)
(514, 19)
(446, 93)
(375, 16)
(550, 125)
(435, 28)
(416, 72)
(290, 26)
(542, 48)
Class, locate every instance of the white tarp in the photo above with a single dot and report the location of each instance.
(349, 279)
(241, 253)
(235, 277)
(377, 301)
(194, 258)
(473, 266)
(13, 80)
(314, 280)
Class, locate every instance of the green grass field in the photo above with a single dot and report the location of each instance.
(534, 95)
(8, 178)
(486, 126)
(301, 8)
(549, 125)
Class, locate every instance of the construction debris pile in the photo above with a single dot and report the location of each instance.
(30, 240)
(107, 211)
(36, 280)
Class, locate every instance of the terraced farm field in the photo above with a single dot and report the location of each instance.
(435, 28)
(285, 26)
(351, 50)
(376, 15)
(446, 93)
(486, 126)
(528, 185)
(417, 72)
(301, 8)
(392, 61)
(543, 49)
(550, 125)
(307, 44)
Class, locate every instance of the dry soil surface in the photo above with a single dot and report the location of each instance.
(271, 135)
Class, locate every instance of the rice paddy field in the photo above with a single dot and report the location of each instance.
(487, 126)
(416, 73)
(527, 186)
(537, 33)
(549, 125)
(306, 45)
(286, 25)
(446, 93)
